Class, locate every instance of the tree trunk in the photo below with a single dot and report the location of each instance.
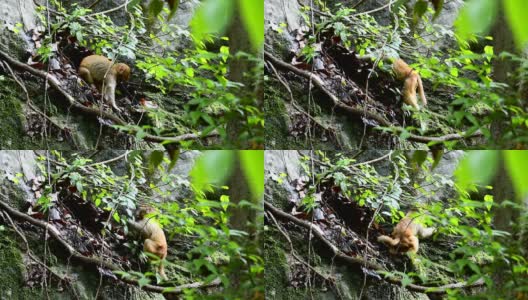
(502, 69)
(238, 68)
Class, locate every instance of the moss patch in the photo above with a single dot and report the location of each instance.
(277, 285)
(12, 135)
(12, 275)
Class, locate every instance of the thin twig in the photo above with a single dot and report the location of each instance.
(109, 11)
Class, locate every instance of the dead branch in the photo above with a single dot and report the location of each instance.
(96, 261)
(363, 112)
(362, 262)
(95, 112)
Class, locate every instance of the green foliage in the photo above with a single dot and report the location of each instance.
(480, 167)
(478, 16)
(193, 79)
(252, 12)
(97, 32)
(211, 99)
(218, 250)
(97, 183)
(471, 101)
(224, 244)
(465, 220)
(361, 183)
(253, 167)
(214, 17)
(223, 163)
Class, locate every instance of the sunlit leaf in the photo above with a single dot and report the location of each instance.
(419, 10)
(478, 167)
(212, 16)
(155, 159)
(253, 17)
(213, 167)
(253, 167)
(517, 165)
(516, 16)
(155, 7)
(476, 17)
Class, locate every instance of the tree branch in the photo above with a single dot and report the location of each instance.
(362, 262)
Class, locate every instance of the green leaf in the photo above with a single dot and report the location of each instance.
(397, 4)
(420, 156)
(189, 72)
(212, 17)
(437, 4)
(516, 17)
(143, 281)
(155, 7)
(253, 17)
(173, 6)
(478, 167)
(476, 17)
(116, 217)
(517, 164)
(419, 10)
(253, 167)
(132, 3)
(453, 72)
(155, 159)
(213, 167)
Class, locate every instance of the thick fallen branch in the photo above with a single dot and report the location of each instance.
(360, 261)
(96, 261)
(95, 112)
(363, 112)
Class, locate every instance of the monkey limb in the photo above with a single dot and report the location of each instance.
(155, 241)
(404, 237)
(102, 73)
(412, 82)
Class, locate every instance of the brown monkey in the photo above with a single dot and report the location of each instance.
(155, 241)
(404, 237)
(412, 81)
(101, 72)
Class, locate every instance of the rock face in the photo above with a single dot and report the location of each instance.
(278, 12)
(15, 11)
(19, 278)
(281, 19)
(446, 168)
(185, 12)
(17, 168)
(277, 164)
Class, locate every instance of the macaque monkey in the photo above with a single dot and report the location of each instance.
(404, 237)
(412, 81)
(155, 241)
(100, 72)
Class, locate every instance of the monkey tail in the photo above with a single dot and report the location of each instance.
(387, 240)
(421, 91)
